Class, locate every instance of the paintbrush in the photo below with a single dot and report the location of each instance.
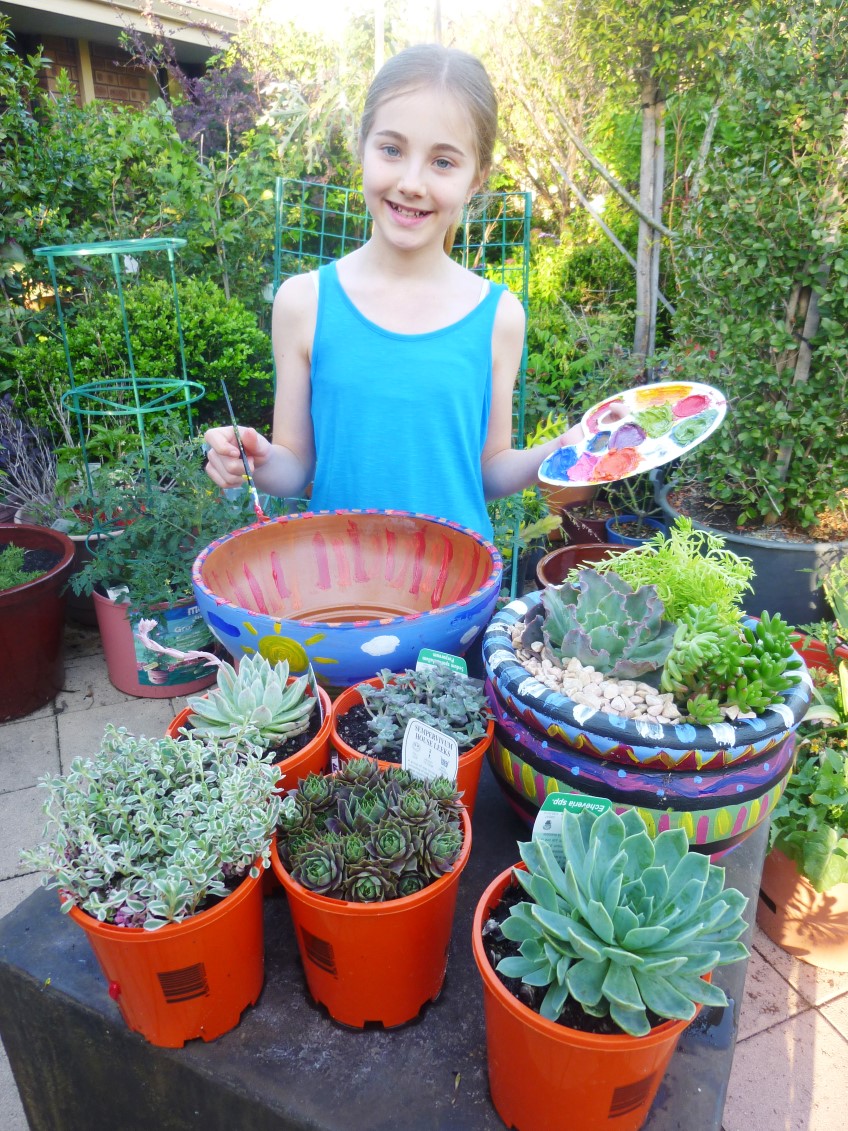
(260, 514)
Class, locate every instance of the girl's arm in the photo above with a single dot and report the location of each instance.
(284, 467)
(507, 469)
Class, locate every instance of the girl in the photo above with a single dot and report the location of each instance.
(395, 368)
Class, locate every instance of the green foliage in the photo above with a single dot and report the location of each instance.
(628, 924)
(836, 593)
(764, 236)
(255, 703)
(12, 569)
(221, 339)
(170, 509)
(689, 568)
(147, 830)
(604, 623)
(368, 835)
(438, 696)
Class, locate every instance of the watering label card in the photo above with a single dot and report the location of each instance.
(548, 824)
(427, 753)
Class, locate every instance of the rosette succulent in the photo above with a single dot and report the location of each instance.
(257, 701)
(626, 926)
(604, 623)
(369, 835)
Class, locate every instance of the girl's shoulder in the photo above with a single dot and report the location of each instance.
(297, 294)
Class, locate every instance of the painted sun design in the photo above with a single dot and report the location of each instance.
(276, 648)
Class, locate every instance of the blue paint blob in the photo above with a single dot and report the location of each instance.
(697, 779)
(557, 464)
(214, 621)
(575, 770)
(739, 788)
(622, 773)
(766, 766)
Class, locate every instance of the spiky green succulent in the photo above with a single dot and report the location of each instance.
(255, 701)
(367, 834)
(627, 925)
(602, 622)
(713, 664)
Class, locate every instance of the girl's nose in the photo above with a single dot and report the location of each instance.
(411, 181)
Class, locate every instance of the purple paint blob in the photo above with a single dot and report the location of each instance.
(629, 435)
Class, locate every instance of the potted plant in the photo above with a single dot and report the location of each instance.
(370, 718)
(803, 904)
(594, 960)
(171, 509)
(34, 567)
(157, 847)
(370, 860)
(824, 643)
(646, 661)
(260, 703)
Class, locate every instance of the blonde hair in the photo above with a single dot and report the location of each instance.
(447, 69)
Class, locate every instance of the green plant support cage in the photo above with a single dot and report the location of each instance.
(317, 223)
(132, 395)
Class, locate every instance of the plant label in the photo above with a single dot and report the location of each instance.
(427, 753)
(548, 824)
(430, 657)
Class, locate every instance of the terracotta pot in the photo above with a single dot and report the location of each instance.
(540, 1071)
(578, 529)
(470, 761)
(313, 758)
(32, 619)
(561, 498)
(350, 591)
(555, 567)
(133, 668)
(811, 926)
(375, 961)
(188, 979)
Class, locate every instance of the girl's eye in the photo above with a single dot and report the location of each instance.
(391, 151)
(443, 163)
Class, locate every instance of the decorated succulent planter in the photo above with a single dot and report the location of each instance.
(350, 592)
(716, 781)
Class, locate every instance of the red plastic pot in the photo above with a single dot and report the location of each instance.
(189, 979)
(470, 761)
(539, 1070)
(32, 621)
(375, 961)
(815, 655)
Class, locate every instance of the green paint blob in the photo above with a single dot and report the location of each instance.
(655, 420)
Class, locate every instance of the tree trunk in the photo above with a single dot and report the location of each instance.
(650, 198)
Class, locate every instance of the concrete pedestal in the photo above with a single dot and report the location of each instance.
(287, 1067)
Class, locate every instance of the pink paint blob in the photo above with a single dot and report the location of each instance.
(581, 471)
(691, 405)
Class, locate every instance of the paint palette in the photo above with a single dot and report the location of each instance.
(636, 431)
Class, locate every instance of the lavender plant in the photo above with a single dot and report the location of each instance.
(369, 835)
(442, 698)
(148, 830)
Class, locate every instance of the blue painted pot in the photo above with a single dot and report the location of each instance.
(614, 535)
(350, 592)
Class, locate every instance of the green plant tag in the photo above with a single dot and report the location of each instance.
(548, 824)
(430, 657)
(428, 753)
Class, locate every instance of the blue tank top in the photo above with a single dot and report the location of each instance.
(400, 420)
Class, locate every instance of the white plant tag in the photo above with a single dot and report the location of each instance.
(430, 657)
(548, 824)
(427, 753)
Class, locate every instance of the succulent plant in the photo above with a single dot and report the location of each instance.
(367, 835)
(714, 665)
(604, 623)
(442, 698)
(253, 702)
(628, 925)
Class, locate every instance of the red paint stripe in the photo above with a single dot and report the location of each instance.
(240, 595)
(470, 576)
(278, 576)
(439, 587)
(390, 555)
(419, 541)
(342, 568)
(319, 546)
(360, 574)
(255, 589)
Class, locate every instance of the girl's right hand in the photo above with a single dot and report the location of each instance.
(223, 460)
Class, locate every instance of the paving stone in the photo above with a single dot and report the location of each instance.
(769, 999)
(836, 1012)
(815, 985)
(80, 732)
(21, 826)
(28, 749)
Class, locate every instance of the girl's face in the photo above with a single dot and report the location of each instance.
(419, 167)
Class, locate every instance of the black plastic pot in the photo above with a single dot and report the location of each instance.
(32, 621)
(788, 575)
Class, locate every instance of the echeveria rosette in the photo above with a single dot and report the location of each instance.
(391, 845)
(630, 924)
(320, 868)
(439, 851)
(604, 623)
(369, 883)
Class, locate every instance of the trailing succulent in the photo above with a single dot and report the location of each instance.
(629, 924)
(255, 703)
(436, 695)
(148, 830)
(604, 623)
(368, 835)
(713, 665)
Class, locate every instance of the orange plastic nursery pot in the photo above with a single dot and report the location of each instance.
(313, 758)
(539, 1070)
(470, 761)
(189, 979)
(375, 961)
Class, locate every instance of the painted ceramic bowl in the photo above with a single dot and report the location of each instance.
(349, 591)
(716, 808)
(610, 737)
